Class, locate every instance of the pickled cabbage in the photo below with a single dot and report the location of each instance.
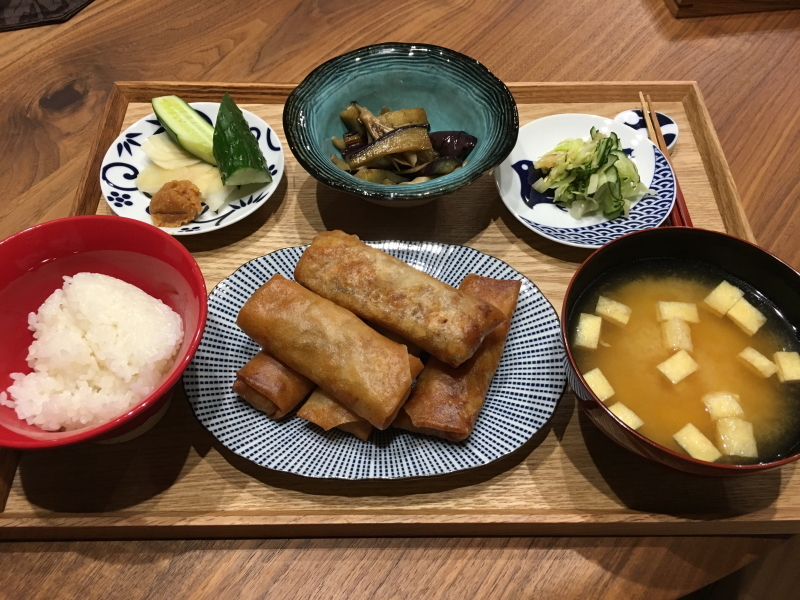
(590, 177)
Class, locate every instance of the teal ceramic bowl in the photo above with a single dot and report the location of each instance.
(457, 93)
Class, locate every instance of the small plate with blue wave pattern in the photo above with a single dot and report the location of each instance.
(125, 159)
(521, 399)
(515, 176)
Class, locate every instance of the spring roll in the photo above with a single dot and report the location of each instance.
(270, 386)
(446, 400)
(256, 399)
(412, 348)
(446, 322)
(323, 410)
(329, 345)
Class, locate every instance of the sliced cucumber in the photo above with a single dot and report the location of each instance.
(186, 127)
(238, 156)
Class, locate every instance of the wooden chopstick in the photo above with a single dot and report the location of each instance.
(651, 132)
(680, 201)
(657, 128)
(679, 215)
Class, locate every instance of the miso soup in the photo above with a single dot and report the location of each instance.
(666, 398)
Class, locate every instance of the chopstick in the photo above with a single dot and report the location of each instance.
(679, 216)
(651, 132)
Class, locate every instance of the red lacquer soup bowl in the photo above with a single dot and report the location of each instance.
(776, 281)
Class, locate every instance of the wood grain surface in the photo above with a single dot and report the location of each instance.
(775, 575)
(56, 82)
(392, 569)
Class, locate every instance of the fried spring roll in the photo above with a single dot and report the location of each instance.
(412, 348)
(323, 410)
(368, 373)
(270, 386)
(256, 399)
(438, 318)
(446, 401)
(361, 429)
(326, 412)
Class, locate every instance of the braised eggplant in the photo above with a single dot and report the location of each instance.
(340, 163)
(410, 138)
(349, 117)
(444, 165)
(455, 144)
(353, 143)
(379, 176)
(396, 146)
(406, 116)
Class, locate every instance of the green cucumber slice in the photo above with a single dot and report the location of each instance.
(186, 127)
(239, 158)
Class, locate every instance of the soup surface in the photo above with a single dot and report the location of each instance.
(628, 355)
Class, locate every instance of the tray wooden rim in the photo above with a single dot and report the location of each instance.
(310, 525)
(133, 525)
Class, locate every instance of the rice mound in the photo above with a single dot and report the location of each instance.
(101, 345)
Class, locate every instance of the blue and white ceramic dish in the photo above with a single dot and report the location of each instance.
(635, 120)
(124, 160)
(538, 212)
(521, 399)
(456, 91)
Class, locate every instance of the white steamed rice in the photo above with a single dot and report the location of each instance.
(101, 346)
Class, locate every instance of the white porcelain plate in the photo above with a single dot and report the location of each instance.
(538, 212)
(124, 160)
(522, 397)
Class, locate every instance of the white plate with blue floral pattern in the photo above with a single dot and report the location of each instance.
(515, 176)
(522, 397)
(125, 159)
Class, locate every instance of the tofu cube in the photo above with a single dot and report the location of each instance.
(613, 311)
(676, 335)
(757, 362)
(721, 405)
(681, 310)
(722, 298)
(588, 334)
(735, 437)
(788, 365)
(746, 316)
(698, 446)
(599, 384)
(678, 366)
(626, 415)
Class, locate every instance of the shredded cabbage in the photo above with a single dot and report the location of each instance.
(591, 176)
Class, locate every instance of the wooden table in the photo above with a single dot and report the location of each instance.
(56, 80)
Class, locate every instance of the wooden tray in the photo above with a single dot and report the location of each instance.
(176, 481)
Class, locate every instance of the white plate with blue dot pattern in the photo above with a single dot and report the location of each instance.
(515, 175)
(125, 159)
(523, 395)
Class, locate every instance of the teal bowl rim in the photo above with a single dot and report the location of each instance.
(509, 125)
